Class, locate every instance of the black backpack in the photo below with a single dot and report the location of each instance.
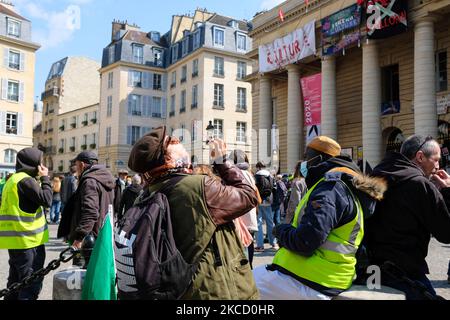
(149, 265)
(265, 186)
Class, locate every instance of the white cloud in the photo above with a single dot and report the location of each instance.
(56, 27)
(269, 4)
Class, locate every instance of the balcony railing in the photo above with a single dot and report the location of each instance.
(73, 125)
(61, 150)
(93, 145)
(83, 147)
(54, 92)
(94, 121)
(72, 149)
(11, 130)
(60, 168)
(172, 114)
(50, 130)
(194, 74)
(62, 128)
(194, 106)
(15, 66)
(85, 123)
(50, 150)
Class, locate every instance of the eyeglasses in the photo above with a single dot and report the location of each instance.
(428, 138)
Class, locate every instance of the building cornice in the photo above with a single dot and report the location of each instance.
(196, 53)
(78, 110)
(130, 65)
(28, 45)
(270, 21)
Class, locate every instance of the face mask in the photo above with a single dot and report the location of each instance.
(304, 166)
(304, 169)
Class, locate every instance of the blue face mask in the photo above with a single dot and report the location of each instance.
(304, 169)
(304, 166)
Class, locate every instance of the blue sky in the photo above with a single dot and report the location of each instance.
(83, 27)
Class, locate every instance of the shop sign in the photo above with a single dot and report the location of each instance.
(386, 18)
(442, 102)
(312, 132)
(289, 49)
(341, 30)
(312, 99)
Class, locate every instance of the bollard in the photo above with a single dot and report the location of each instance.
(68, 284)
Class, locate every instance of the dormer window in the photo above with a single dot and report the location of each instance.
(219, 37)
(157, 56)
(185, 46)
(13, 28)
(241, 42)
(175, 53)
(196, 40)
(138, 53)
(234, 24)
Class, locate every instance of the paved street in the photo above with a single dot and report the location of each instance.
(437, 259)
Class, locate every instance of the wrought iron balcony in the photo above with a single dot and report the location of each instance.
(54, 92)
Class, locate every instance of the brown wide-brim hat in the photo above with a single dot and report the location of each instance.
(325, 145)
(148, 152)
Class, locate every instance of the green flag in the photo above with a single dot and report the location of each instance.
(100, 281)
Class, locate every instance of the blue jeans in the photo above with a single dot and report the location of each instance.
(265, 212)
(55, 210)
(276, 215)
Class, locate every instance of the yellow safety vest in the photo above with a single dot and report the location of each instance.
(19, 229)
(333, 264)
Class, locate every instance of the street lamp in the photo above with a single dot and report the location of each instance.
(210, 130)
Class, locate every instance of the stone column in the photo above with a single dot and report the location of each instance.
(329, 111)
(371, 105)
(265, 119)
(295, 144)
(425, 113)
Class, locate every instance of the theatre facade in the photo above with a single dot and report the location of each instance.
(368, 74)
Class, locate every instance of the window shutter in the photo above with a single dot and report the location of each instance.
(21, 92)
(22, 61)
(150, 84)
(6, 57)
(164, 108)
(164, 82)
(4, 89)
(128, 135)
(130, 78)
(141, 107)
(20, 124)
(2, 122)
(129, 105)
(146, 80)
(147, 106)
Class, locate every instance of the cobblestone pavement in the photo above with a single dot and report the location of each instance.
(438, 258)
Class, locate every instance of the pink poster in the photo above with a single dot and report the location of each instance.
(312, 99)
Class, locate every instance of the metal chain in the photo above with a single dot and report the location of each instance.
(64, 257)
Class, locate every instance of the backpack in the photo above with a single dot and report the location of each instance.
(149, 265)
(265, 186)
(280, 193)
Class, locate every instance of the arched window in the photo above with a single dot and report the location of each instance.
(10, 156)
(395, 140)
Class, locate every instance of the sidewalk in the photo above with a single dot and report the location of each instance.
(437, 259)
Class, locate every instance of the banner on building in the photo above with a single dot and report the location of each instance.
(386, 18)
(312, 99)
(341, 29)
(287, 50)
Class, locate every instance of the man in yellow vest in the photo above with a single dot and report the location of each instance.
(23, 227)
(317, 255)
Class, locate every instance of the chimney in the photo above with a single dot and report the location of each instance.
(8, 5)
(118, 25)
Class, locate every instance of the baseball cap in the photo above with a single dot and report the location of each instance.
(86, 157)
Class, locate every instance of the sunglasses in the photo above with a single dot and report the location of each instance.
(428, 138)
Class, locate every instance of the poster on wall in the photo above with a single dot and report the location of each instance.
(341, 29)
(386, 18)
(442, 103)
(287, 50)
